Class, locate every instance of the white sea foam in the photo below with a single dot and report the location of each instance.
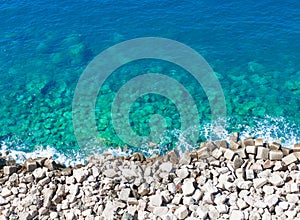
(271, 129)
(40, 151)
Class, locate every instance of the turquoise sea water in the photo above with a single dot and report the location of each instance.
(254, 49)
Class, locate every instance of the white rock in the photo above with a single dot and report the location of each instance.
(44, 181)
(43, 211)
(122, 205)
(95, 172)
(217, 153)
(251, 149)
(229, 154)
(144, 189)
(5, 192)
(254, 215)
(80, 174)
(262, 153)
(284, 205)
(268, 190)
(249, 200)
(294, 188)
(241, 184)
(215, 163)
(229, 186)
(166, 196)
(65, 205)
(132, 201)
(291, 158)
(222, 209)
(278, 211)
(266, 215)
(197, 195)
(242, 204)
(188, 187)
(271, 200)
(177, 199)
(292, 198)
(265, 174)
(274, 146)
(223, 170)
(141, 215)
(291, 213)
(259, 182)
(249, 174)
(220, 199)
(202, 211)
(213, 213)
(241, 152)
(70, 215)
(156, 200)
(172, 188)
(233, 145)
(87, 212)
(8, 170)
(109, 211)
(110, 173)
(239, 172)
(257, 167)
(166, 167)
(25, 216)
(278, 165)
(129, 174)
(237, 215)
(53, 215)
(232, 200)
(259, 142)
(185, 158)
(209, 187)
(124, 194)
(191, 218)
(208, 198)
(188, 200)
(60, 190)
(181, 212)
(276, 179)
(14, 190)
(148, 171)
(182, 173)
(39, 173)
(70, 180)
(287, 188)
(160, 211)
(275, 155)
(260, 204)
(31, 165)
(73, 189)
(3, 201)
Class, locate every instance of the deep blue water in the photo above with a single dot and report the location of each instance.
(45, 46)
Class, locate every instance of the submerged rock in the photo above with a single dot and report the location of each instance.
(255, 67)
(49, 85)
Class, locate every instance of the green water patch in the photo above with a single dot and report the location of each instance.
(39, 112)
(145, 107)
(37, 94)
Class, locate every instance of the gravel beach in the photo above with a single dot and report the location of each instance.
(235, 179)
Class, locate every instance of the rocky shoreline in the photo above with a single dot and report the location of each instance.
(238, 179)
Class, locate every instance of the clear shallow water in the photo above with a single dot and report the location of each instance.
(45, 46)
